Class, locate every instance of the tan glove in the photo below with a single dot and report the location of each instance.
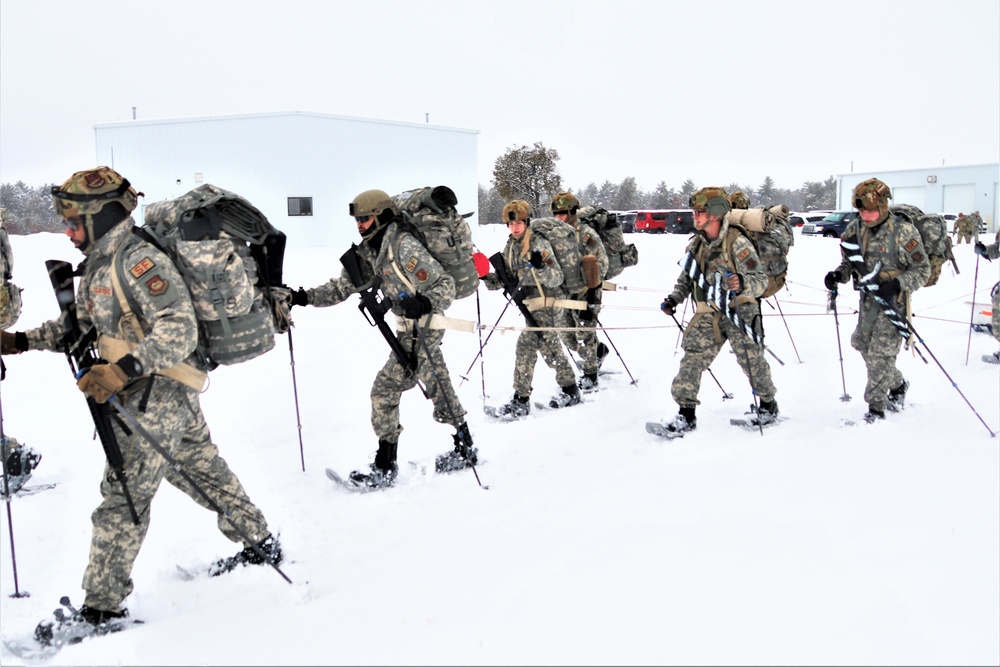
(102, 382)
(591, 271)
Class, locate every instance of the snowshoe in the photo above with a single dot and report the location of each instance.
(270, 547)
(20, 462)
(375, 478)
(992, 358)
(678, 427)
(570, 396)
(463, 456)
(763, 416)
(897, 397)
(518, 408)
(588, 383)
(79, 624)
(873, 415)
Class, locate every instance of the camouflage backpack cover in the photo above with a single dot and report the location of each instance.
(566, 247)
(10, 294)
(621, 255)
(933, 233)
(429, 214)
(771, 234)
(230, 257)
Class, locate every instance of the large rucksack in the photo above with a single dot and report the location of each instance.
(621, 255)
(429, 214)
(10, 294)
(771, 234)
(933, 233)
(566, 247)
(230, 258)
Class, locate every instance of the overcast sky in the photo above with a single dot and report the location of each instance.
(717, 92)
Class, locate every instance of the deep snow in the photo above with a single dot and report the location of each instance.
(596, 543)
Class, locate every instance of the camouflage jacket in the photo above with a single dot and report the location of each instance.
(993, 249)
(591, 244)
(897, 245)
(164, 304)
(404, 265)
(6, 257)
(540, 282)
(711, 258)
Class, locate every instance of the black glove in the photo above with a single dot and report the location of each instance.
(13, 343)
(980, 248)
(832, 280)
(888, 289)
(535, 259)
(300, 298)
(416, 306)
(669, 306)
(586, 315)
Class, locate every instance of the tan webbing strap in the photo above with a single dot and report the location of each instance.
(112, 349)
(399, 274)
(435, 321)
(537, 302)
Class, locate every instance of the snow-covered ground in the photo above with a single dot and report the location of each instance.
(596, 543)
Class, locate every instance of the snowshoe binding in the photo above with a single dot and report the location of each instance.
(78, 625)
(570, 396)
(269, 546)
(464, 455)
(518, 408)
(897, 397)
(678, 427)
(20, 462)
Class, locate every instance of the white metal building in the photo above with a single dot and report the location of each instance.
(300, 169)
(960, 189)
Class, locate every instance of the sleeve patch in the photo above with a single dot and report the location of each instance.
(142, 267)
(100, 290)
(422, 275)
(917, 257)
(911, 245)
(411, 264)
(751, 265)
(743, 254)
(156, 285)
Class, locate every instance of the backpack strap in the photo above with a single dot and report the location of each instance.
(411, 289)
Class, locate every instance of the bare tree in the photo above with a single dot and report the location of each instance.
(527, 173)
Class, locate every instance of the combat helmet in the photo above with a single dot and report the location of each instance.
(872, 195)
(564, 202)
(517, 209)
(377, 203)
(739, 200)
(101, 197)
(713, 200)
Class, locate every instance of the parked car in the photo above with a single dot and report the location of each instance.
(832, 225)
(651, 222)
(627, 220)
(680, 222)
(800, 219)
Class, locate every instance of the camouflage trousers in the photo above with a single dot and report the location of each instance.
(173, 416)
(960, 236)
(394, 379)
(995, 294)
(530, 344)
(701, 348)
(878, 341)
(583, 340)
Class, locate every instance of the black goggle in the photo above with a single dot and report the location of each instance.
(361, 219)
(72, 224)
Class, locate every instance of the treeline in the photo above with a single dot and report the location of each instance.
(530, 173)
(29, 209)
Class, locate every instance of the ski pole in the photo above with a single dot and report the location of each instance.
(615, 348)
(680, 328)
(953, 383)
(778, 304)
(482, 361)
(295, 393)
(725, 394)
(162, 451)
(5, 452)
(482, 345)
(845, 397)
(972, 315)
(440, 383)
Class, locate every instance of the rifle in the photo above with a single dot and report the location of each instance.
(374, 307)
(511, 288)
(81, 353)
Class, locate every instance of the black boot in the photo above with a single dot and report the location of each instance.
(897, 397)
(463, 455)
(383, 471)
(20, 462)
(684, 421)
(79, 624)
(570, 396)
(518, 407)
(874, 414)
(270, 546)
(588, 383)
(602, 354)
(767, 412)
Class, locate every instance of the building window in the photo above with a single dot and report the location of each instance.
(300, 206)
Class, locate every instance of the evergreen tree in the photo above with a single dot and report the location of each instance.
(766, 193)
(490, 206)
(662, 196)
(527, 173)
(627, 197)
(29, 209)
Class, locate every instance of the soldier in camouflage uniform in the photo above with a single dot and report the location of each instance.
(718, 248)
(992, 252)
(905, 268)
(739, 200)
(416, 287)
(10, 294)
(529, 259)
(584, 341)
(95, 206)
(966, 227)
